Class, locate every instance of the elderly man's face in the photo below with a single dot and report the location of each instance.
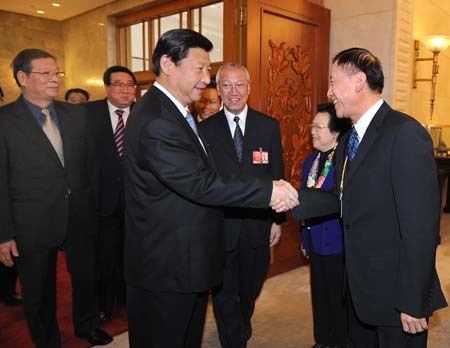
(41, 85)
(342, 91)
(234, 89)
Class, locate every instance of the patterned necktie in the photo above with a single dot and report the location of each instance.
(353, 143)
(52, 132)
(119, 132)
(191, 121)
(238, 138)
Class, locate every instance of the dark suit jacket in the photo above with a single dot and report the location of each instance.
(41, 202)
(261, 132)
(391, 216)
(174, 238)
(108, 163)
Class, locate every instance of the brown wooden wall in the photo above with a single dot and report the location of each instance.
(286, 49)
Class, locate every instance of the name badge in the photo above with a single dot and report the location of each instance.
(260, 157)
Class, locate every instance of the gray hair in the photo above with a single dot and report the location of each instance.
(233, 66)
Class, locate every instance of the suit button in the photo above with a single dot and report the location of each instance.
(347, 226)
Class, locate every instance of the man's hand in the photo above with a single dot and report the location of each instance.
(6, 249)
(284, 196)
(413, 325)
(275, 234)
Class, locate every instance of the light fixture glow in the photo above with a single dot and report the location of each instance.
(96, 82)
(436, 43)
(40, 11)
(55, 4)
(101, 24)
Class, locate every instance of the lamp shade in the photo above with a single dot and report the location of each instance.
(436, 43)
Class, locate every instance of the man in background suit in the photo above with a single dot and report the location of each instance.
(174, 240)
(46, 199)
(108, 118)
(390, 206)
(252, 150)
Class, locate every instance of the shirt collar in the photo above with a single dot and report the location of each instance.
(112, 108)
(242, 117)
(180, 107)
(364, 122)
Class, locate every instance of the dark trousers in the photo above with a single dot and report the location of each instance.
(362, 335)
(165, 319)
(109, 261)
(234, 300)
(37, 273)
(8, 279)
(327, 294)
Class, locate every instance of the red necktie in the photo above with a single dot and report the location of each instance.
(119, 132)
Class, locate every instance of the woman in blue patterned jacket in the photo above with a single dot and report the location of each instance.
(322, 238)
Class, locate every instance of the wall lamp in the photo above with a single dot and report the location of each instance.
(435, 44)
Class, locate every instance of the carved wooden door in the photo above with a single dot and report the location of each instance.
(286, 49)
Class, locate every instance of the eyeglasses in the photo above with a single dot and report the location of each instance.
(119, 85)
(240, 86)
(49, 74)
(315, 126)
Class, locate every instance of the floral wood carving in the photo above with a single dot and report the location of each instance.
(289, 101)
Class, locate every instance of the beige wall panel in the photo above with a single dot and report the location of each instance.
(18, 32)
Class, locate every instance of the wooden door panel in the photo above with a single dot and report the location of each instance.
(287, 50)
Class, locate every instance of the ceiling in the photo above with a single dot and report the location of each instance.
(67, 9)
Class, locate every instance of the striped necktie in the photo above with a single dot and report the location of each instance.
(119, 132)
(52, 132)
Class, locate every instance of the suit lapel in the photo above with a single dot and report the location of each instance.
(251, 139)
(106, 131)
(179, 118)
(224, 136)
(367, 141)
(28, 125)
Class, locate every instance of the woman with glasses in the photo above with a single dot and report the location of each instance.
(322, 238)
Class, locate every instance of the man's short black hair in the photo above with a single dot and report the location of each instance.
(22, 62)
(335, 124)
(363, 60)
(176, 44)
(76, 90)
(114, 69)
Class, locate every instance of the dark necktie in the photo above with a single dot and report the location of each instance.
(353, 143)
(119, 132)
(191, 121)
(238, 138)
(52, 132)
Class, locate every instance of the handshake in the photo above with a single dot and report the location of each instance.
(284, 196)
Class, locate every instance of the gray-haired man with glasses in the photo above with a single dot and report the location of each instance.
(46, 199)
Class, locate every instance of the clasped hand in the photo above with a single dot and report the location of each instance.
(284, 196)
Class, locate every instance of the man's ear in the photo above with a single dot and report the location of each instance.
(166, 64)
(22, 77)
(360, 81)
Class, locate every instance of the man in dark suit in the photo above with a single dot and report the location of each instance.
(46, 199)
(108, 118)
(243, 143)
(390, 207)
(174, 240)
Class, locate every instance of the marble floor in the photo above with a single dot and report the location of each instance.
(283, 312)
